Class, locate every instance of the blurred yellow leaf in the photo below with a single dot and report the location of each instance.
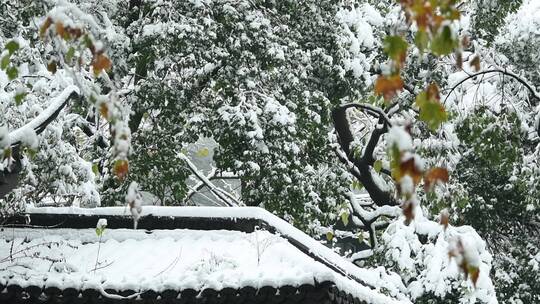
(432, 112)
(396, 48)
(204, 152)
(329, 235)
(345, 218)
(377, 166)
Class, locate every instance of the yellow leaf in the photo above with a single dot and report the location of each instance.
(329, 235)
(204, 152)
(396, 48)
(432, 112)
(345, 218)
(7, 153)
(444, 43)
(377, 166)
(357, 185)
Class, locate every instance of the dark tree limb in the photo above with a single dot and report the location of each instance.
(366, 226)
(100, 141)
(10, 178)
(362, 164)
(373, 141)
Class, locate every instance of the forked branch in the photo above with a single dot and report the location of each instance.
(362, 164)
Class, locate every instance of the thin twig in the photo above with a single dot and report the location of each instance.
(172, 264)
(504, 72)
(102, 266)
(99, 247)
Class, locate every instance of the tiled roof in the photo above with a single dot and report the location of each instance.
(304, 275)
(324, 292)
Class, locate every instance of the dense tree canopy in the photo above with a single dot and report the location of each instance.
(407, 129)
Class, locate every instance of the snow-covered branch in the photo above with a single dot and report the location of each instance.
(9, 176)
(529, 87)
(221, 194)
(211, 176)
(39, 123)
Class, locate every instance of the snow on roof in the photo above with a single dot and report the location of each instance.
(181, 258)
(166, 259)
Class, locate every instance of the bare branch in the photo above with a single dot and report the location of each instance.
(535, 94)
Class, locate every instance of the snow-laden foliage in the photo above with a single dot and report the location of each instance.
(54, 165)
(258, 78)
(419, 252)
(496, 182)
(53, 59)
(489, 16)
(518, 39)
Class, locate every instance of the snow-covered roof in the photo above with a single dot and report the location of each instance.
(163, 259)
(175, 259)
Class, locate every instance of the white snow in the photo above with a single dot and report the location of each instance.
(102, 223)
(429, 265)
(134, 201)
(225, 248)
(24, 133)
(4, 138)
(399, 137)
(178, 259)
(358, 25)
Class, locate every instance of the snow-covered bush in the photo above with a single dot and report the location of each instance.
(518, 39)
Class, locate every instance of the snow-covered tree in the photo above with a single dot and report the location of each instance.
(53, 59)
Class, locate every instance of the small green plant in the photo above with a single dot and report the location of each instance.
(100, 229)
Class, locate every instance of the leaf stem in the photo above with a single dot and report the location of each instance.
(97, 257)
